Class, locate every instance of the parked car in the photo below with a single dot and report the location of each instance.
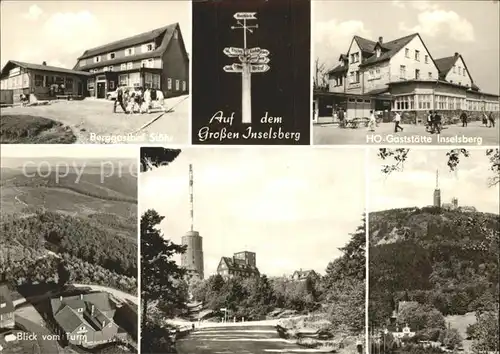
(112, 95)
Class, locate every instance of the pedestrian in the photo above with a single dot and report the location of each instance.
(397, 121)
(119, 99)
(491, 118)
(429, 121)
(146, 102)
(463, 118)
(372, 122)
(436, 123)
(341, 117)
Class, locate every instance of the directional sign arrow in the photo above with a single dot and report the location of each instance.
(255, 50)
(263, 52)
(237, 67)
(260, 60)
(231, 69)
(234, 52)
(245, 15)
(259, 68)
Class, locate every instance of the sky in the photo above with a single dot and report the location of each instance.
(470, 28)
(414, 186)
(58, 32)
(294, 206)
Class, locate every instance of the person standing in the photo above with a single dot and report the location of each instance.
(463, 118)
(372, 122)
(437, 122)
(491, 118)
(397, 121)
(119, 99)
(429, 121)
(341, 117)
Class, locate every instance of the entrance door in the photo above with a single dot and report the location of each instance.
(101, 90)
(80, 89)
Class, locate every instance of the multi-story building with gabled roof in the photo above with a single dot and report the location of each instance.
(401, 75)
(156, 59)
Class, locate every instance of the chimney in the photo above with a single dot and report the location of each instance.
(456, 54)
(44, 63)
(92, 311)
(381, 39)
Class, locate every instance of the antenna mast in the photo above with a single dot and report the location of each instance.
(191, 195)
(437, 179)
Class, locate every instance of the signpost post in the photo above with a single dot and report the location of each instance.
(253, 60)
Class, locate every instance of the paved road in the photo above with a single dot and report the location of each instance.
(477, 135)
(236, 340)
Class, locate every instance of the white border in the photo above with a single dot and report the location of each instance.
(367, 244)
(191, 56)
(311, 74)
(139, 302)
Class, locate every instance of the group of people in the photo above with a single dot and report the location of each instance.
(488, 119)
(433, 122)
(140, 101)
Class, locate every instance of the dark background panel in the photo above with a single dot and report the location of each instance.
(284, 30)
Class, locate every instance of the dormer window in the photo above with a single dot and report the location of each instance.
(80, 310)
(342, 63)
(97, 59)
(111, 56)
(378, 51)
(149, 47)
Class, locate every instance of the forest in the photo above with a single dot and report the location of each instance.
(82, 238)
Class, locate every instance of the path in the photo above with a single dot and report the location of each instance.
(115, 292)
(237, 340)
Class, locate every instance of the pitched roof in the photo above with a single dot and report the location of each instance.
(239, 265)
(304, 273)
(338, 69)
(128, 42)
(364, 44)
(5, 297)
(444, 65)
(391, 49)
(69, 320)
(42, 67)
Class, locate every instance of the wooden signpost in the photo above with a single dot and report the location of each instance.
(253, 60)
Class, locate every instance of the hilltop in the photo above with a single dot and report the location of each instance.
(445, 258)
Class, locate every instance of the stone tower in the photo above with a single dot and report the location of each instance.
(437, 192)
(192, 259)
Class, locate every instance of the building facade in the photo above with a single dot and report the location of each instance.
(400, 75)
(156, 59)
(6, 308)
(301, 275)
(87, 320)
(242, 264)
(41, 81)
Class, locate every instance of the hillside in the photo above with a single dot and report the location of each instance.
(445, 258)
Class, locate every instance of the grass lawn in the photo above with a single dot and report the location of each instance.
(25, 129)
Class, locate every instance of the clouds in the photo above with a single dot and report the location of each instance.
(432, 21)
(34, 13)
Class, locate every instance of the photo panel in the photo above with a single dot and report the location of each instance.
(68, 249)
(403, 73)
(249, 250)
(95, 72)
(251, 76)
(433, 250)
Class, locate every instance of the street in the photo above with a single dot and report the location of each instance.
(237, 340)
(92, 118)
(476, 134)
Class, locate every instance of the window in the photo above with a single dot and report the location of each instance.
(156, 81)
(402, 72)
(404, 102)
(351, 78)
(371, 75)
(97, 59)
(149, 47)
(454, 69)
(123, 79)
(459, 72)
(83, 62)
(417, 74)
(105, 69)
(426, 59)
(357, 76)
(177, 85)
(129, 66)
(407, 52)
(463, 72)
(81, 310)
(417, 55)
(377, 72)
(378, 52)
(111, 85)
(148, 80)
(424, 102)
(430, 75)
(59, 80)
(354, 57)
(38, 80)
(169, 84)
(91, 71)
(184, 88)
(110, 68)
(148, 63)
(129, 51)
(111, 56)
(123, 66)
(69, 83)
(134, 79)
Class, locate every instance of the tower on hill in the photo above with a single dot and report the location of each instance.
(192, 259)
(437, 192)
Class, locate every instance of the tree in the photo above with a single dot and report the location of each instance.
(154, 157)
(159, 271)
(450, 338)
(63, 273)
(485, 332)
(399, 156)
(320, 80)
(420, 317)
